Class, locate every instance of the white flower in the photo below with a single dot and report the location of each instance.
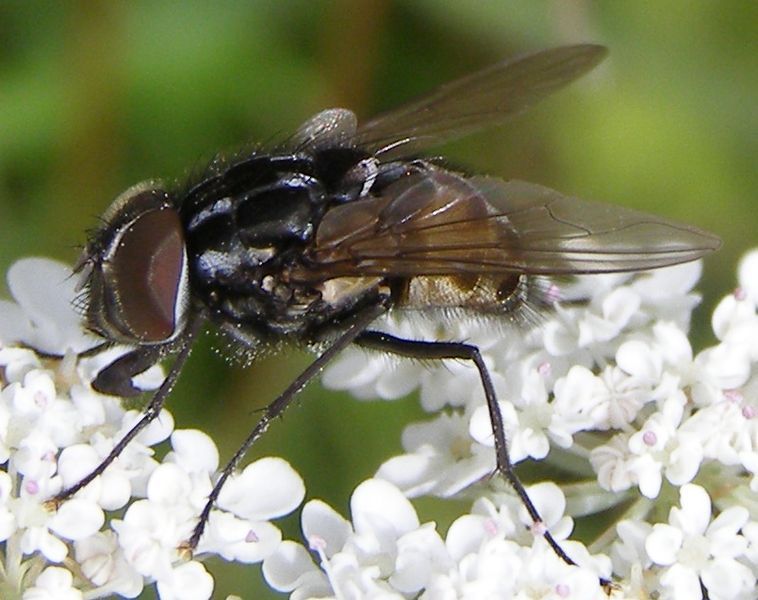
(612, 463)
(441, 458)
(44, 317)
(285, 495)
(533, 422)
(41, 531)
(384, 550)
(386, 553)
(152, 529)
(666, 295)
(54, 583)
(104, 564)
(661, 447)
(54, 430)
(628, 552)
(241, 530)
(692, 548)
(615, 381)
(607, 389)
(188, 581)
(374, 375)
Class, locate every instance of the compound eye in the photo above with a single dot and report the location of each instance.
(148, 270)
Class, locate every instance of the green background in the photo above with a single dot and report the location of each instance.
(96, 96)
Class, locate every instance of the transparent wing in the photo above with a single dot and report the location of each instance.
(440, 223)
(483, 98)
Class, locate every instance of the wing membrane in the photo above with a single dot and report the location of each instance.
(483, 98)
(440, 223)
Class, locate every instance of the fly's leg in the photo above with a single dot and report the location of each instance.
(280, 404)
(116, 378)
(377, 340)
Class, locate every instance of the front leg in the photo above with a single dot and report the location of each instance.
(118, 375)
(116, 378)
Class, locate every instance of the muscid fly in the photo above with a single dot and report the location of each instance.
(314, 240)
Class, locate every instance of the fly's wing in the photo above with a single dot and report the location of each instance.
(440, 223)
(480, 99)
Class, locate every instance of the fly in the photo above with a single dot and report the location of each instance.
(314, 240)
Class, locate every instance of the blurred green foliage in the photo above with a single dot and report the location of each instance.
(95, 96)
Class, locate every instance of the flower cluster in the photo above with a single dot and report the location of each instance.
(125, 529)
(387, 553)
(607, 388)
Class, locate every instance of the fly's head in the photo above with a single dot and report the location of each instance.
(134, 270)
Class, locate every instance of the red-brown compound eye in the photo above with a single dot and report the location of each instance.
(147, 272)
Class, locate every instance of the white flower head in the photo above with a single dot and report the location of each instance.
(692, 548)
(386, 552)
(611, 390)
(607, 389)
(54, 430)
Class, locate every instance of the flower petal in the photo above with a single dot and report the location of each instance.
(266, 488)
